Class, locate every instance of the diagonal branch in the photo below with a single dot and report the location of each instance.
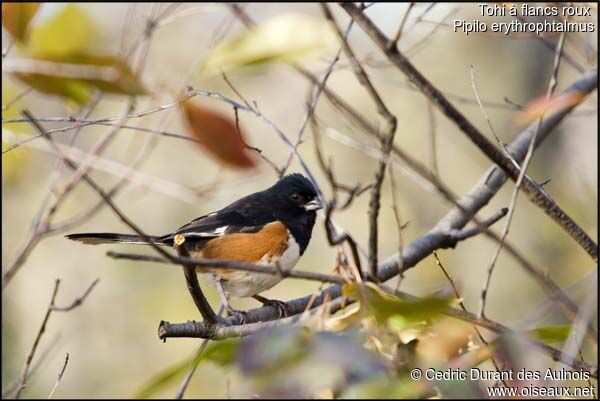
(51, 308)
(535, 193)
(522, 175)
(207, 313)
(439, 236)
(489, 184)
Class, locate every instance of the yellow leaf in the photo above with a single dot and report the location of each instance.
(71, 76)
(382, 306)
(13, 161)
(552, 334)
(288, 37)
(67, 31)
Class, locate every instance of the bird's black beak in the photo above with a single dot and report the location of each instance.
(313, 205)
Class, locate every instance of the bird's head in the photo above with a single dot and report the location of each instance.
(295, 194)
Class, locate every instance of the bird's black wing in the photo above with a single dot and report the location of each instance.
(248, 214)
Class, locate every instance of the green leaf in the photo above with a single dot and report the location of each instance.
(221, 352)
(382, 306)
(287, 37)
(67, 31)
(16, 18)
(74, 90)
(551, 334)
(122, 80)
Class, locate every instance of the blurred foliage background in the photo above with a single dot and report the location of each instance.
(112, 339)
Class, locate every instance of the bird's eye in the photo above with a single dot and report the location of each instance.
(295, 197)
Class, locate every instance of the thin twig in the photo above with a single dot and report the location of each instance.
(40, 228)
(399, 226)
(200, 330)
(452, 226)
(313, 103)
(16, 98)
(549, 44)
(586, 314)
(98, 190)
(528, 156)
(80, 123)
(432, 140)
(77, 301)
(136, 178)
(402, 23)
(195, 363)
(457, 218)
(534, 192)
(237, 125)
(229, 264)
(387, 141)
(51, 308)
(464, 308)
(25, 371)
(60, 375)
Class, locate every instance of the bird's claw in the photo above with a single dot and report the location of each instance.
(240, 314)
(280, 305)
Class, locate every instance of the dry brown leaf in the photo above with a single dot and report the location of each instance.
(16, 18)
(217, 134)
(542, 106)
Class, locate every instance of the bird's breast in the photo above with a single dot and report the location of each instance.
(273, 245)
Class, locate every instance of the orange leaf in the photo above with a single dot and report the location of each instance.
(16, 18)
(217, 134)
(542, 106)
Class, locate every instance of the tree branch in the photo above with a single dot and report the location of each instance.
(387, 141)
(535, 193)
(51, 308)
(191, 279)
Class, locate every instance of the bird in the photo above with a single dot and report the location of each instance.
(272, 227)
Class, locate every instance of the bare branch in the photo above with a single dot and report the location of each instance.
(200, 330)
(387, 141)
(51, 308)
(25, 371)
(313, 103)
(480, 195)
(402, 23)
(534, 192)
(528, 156)
(99, 190)
(438, 262)
(191, 279)
(229, 264)
(432, 140)
(60, 375)
(461, 235)
(77, 301)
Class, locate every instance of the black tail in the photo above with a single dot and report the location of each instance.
(105, 238)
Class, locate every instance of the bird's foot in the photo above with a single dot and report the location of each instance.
(281, 306)
(240, 314)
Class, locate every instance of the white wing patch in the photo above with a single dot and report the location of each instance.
(217, 232)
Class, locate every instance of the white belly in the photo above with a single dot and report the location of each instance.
(243, 284)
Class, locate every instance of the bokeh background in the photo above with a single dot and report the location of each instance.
(112, 339)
